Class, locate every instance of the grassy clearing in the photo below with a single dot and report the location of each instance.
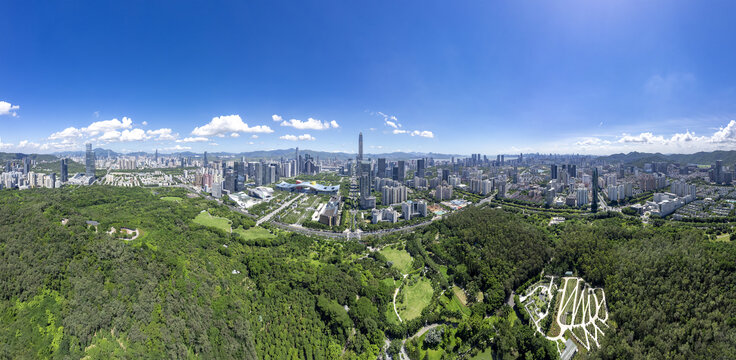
(486, 354)
(254, 233)
(460, 295)
(400, 259)
(723, 237)
(172, 198)
(416, 298)
(456, 304)
(391, 315)
(206, 219)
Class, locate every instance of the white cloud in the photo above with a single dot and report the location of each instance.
(145, 123)
(393, 122)
(425, 134)
(334, 124)
(123, 136)
(234, 134)
(725, 134)
(162, 134)
(228, 124)
(297, 137)
(214, 144)
(7, 108)
(69, 132)
(25, 144)
(310, 124)
(4, 146)
(178, 148)
(592, 141)
(193, 139)
(276, 117)
(254, 136)
(103, 126)
(250, 143)
(646, 138)
(722, 139)
(97, 114)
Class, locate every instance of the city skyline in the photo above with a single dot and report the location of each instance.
(492, 79)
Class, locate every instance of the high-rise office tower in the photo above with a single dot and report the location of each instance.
(258, 173)
(381, 170)
(446, 175)
(53, 180)
(553, 171)
(155, 156)
(64, 170)
(26, 165)
(420, 168)
(402, 171)
(360, 146)
(89, 161)
(205, 159)
(594, 205)
(717, 174)
(298, 163)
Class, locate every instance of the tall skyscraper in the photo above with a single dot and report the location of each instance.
(64, 170)
(26, 165)
(553, 172)
(205, 159)
(155, 156)
(89, 161)
(360, 146)
(594, 204)
(402, 171)
(420, 168)
(717, 174)
(298, 162)
(381, 170)
(446, 175)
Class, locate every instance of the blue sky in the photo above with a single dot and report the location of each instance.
(463, 76)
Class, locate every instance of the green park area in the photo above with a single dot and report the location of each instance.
(400, 259)
(416, 296)
(255, 233)
(171, 198)
(204, 218)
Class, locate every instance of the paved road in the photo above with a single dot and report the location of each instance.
(272, 213)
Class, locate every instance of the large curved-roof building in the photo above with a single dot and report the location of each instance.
(309, 187)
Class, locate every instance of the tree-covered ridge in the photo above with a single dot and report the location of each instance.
(182, 289)
(671, 293)
(171, 293)
(491, 251)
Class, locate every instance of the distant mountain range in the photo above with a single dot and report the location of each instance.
(632, 158)
(702, 158)
(269, 154)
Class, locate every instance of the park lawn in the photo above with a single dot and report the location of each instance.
(486, 354)
(391, 315)
(460, 295)
(254, 233)
(456, 304)
(204, 218)
(723, 237)
(172, 198)
(400, 259)
(417, 297)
